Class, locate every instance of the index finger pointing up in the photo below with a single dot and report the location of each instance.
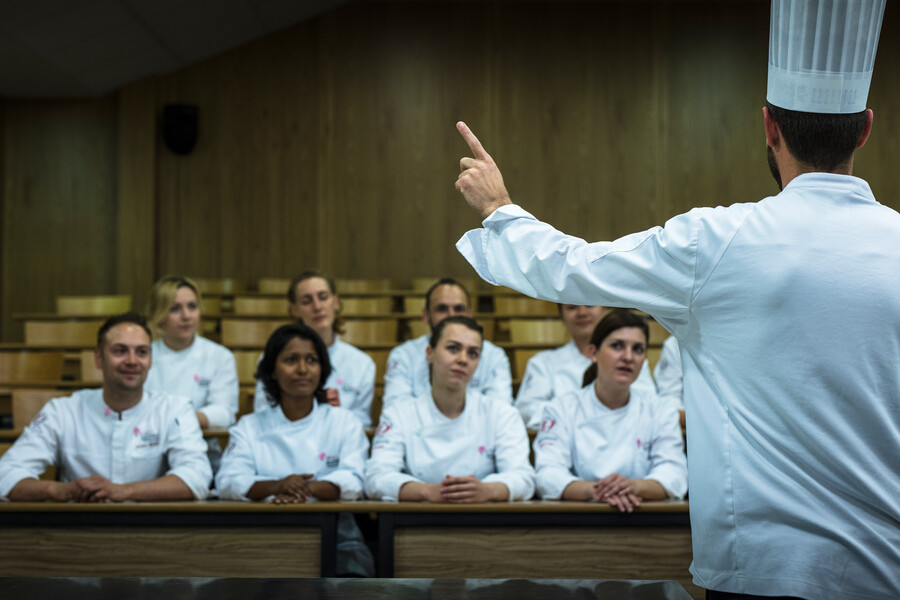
(474, 145)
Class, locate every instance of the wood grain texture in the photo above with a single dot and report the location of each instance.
(564, 553)
(160, 552)
(331, 144)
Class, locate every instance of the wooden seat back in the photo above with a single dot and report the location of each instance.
(62, 334)
(517, 306)
(370, 332)
(545, 332)
(249, 333)
(361, 307)
(84, 306)
(25, 365)
(273, 285)
(252, 306)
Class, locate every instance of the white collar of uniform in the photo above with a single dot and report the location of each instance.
(107, 412)
(846, 183)
(162, 349)
(589, 396)
(299, 422)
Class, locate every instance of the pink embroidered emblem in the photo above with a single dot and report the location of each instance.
(639, 443)
(137, 431)
(340, 381)
(322, 456)
(107, 412)
(480, 449)
(196, 378)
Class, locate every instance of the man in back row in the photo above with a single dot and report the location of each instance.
(117, 443)
(407, 372)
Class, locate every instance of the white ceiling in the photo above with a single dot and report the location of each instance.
(79, 48)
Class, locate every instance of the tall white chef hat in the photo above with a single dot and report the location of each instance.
(821, 54)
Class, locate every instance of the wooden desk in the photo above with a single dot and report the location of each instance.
(169, 539)
(536, 539)
(20, 588)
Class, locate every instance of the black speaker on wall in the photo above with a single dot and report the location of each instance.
(179, 127)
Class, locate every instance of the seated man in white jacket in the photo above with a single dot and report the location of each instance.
(407, 368)
(118, 443)
(554, 373)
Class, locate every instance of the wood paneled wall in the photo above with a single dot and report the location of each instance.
(332, 144)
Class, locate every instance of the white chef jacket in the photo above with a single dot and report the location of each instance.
(786, 313)
(265, 445)
(352, 374)
(554, 373)
(407, 372)
(416, 442)
(204, 372)
(580, 438)
(82, 436)
(329, 443)
(668, 374)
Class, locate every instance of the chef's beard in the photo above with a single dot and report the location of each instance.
(773, 167)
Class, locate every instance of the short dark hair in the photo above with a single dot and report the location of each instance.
(614, 320)
(822, 141)
(446, 281)
(338, 325)
(459, 320)
(129, 317)
(276, 343)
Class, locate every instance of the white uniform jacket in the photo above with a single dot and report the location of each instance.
(786, 312)
(352, 375)
(82, 436)
(554, 373)
(415, 442)
(204, 372)
(668, 374)
(407, 373)
(581, 439)
(329, 443)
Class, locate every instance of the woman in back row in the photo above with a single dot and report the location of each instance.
(315, 303)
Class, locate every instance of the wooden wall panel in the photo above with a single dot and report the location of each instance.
(332, 145)
(59, 207)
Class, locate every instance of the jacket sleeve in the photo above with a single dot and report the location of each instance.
(669, 376)
(553, 453)
(350, 474)
(34, 450)
(652, 270)
(668, 463)
(362, 407)
(385, 470)
(222, 399)
(238, 470)
(186, 451)
(397, 377)
(259, 395)
(511, 453)
(534, 391)
(498, 385)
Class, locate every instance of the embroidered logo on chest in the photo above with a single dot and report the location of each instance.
(201, 380)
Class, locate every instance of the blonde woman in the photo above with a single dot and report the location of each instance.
(186, 364)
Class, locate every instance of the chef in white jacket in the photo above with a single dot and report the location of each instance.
(793, 424)
(554, 373)
(456, 445)
(300, 448)
(313, 300)
(121, 442)
(611, 441)
(407, 373)
(186, 364)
